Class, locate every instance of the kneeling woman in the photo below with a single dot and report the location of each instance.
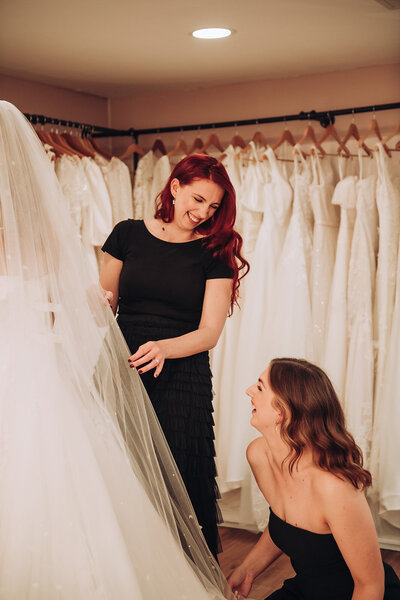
(309, 469)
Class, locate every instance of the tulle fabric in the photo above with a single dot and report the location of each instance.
(91, 502)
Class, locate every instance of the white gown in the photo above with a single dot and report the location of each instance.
(118, 181)
(75, 522)
(383, 464)
(326, 223)
(291, 326)
(224, 354)
(359, 390)
(142, 184)
(336, 342)
(252, 349)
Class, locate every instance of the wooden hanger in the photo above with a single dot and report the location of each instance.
(330, 131)
(237, 141)
(159, 145)
(78, 143)
(97, 148)
(133, 148)
(352, 132)
(396, 131)
(212, 141)
(259, 139)
(180, 148)
(286, 136)
(46, 138)
(373, 129)
(60, 139)
(309, 135)
(197, 144)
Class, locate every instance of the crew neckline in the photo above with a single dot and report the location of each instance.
(166, 241)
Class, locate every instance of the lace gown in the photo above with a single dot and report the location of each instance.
(385, 444)
(359, 390)
(326, 223)
(291, 322)
(223, 356)
(336, 343)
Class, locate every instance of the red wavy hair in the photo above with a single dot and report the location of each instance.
(220, 236)
(313, 418)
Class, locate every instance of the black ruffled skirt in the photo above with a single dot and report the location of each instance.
(182, 399)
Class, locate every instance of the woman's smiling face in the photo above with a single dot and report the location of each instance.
(196, 202)
(265, 413)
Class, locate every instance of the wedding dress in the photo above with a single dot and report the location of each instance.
(118, 181)
(291, 321)
(142, 184)
(252, 350)
(383, 467)
(326, 223)
(336, 342)
(359, 389)
(91, 502)
(224, 355)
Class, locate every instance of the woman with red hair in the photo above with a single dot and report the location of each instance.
(310, 471)
(174, 279)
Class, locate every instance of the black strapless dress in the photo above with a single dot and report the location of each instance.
(321, 572)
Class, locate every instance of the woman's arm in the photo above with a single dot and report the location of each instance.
(215, 309)
(350, 520)
(109, 278)
(265, 551)
(258, 559)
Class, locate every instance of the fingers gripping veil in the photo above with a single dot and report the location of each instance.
(91, 502)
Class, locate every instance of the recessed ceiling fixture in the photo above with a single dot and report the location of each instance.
(211, 33)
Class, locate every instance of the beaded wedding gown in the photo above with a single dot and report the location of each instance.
(91, 502)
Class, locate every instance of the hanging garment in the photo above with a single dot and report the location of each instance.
(118, 181)
(359, 389)
(78, 195)
(252, 350)
(326, 223)
(388, 203)
(291, 320)
(224, 354)
(162, 170)
(386, 439)
(142, 184)
(91, 502)
(336, 342)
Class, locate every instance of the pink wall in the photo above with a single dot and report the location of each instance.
(52, 101)
(358, 87)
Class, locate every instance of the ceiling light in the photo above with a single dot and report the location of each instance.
(211, 33)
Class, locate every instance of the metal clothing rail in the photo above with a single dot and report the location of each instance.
(323, 117)
(86, 128)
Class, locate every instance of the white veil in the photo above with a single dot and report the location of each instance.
(91, 502)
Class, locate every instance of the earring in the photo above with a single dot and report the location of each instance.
(276, 426)
(173, 200)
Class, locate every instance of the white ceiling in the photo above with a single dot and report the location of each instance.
(119, 47)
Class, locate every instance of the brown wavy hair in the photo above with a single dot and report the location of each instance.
(220, 236)
(313, 418)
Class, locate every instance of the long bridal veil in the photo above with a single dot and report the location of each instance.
(91, 502)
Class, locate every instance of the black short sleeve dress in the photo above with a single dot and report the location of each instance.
(161, 293)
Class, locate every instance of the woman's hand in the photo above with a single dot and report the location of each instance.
(240, 582)
(108, 296)
(152, 353)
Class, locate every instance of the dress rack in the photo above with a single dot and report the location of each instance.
(325, 118)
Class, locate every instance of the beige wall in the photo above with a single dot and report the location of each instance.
(358, 87)
(52, 101)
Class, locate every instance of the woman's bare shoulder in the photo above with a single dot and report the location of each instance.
(256, 451)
